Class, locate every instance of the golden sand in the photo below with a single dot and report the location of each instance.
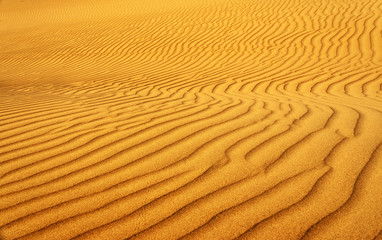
(197, 119)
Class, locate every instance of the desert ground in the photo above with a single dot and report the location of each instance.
(191, 119)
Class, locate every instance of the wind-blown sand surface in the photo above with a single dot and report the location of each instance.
(250, 119)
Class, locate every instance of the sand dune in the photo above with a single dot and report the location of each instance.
(191, 119)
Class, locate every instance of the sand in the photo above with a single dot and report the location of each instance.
(221, 119)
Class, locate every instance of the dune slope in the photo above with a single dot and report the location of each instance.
(223, 119)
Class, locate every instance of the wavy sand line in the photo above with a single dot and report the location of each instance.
(218, 119)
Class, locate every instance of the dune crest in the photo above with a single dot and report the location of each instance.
(191, 119)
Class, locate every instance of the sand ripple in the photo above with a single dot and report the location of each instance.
(191, 119)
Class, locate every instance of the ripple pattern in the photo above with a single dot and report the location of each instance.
(194, 119)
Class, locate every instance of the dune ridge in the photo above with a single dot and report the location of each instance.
(191, 119)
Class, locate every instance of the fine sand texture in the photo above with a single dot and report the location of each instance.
(191, 119)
